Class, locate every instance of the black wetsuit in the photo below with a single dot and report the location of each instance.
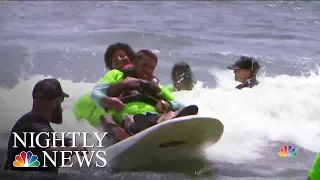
(37, 124)
(249, 84)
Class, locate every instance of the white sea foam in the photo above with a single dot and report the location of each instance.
(281, 108)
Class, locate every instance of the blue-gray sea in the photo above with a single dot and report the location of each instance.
(67, 40)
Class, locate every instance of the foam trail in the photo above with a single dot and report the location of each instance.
(281, 108)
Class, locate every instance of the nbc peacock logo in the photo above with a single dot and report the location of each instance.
(26, 160)
(287, 151)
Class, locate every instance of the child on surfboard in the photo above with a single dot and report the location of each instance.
(117, 56)
(147, 113)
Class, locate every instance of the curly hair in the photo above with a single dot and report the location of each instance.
(112, 49)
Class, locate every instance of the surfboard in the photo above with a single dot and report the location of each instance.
(172, 140)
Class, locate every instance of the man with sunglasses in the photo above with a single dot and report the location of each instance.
(47, 99)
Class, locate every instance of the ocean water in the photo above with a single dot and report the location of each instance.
(67, 40)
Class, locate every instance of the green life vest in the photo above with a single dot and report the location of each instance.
(171, 88)
(135, 107)
(85, 108)
(314, 173)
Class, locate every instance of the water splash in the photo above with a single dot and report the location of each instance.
(281, 108)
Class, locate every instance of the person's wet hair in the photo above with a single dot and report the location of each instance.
(187, 79)
(181, 67)
(145, 52)
(112, 49)
(255, 66)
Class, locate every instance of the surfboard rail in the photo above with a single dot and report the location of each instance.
(182, 137)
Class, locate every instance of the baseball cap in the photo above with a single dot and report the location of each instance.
(48, 89)
(244, 62)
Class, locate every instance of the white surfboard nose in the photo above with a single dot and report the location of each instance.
(177, 139)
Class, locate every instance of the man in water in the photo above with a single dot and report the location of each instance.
(314, 173)
(47, 99)
(245, 70)
(145, 64)
(182, 77)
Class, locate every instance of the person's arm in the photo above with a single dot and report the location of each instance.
(168, 96)
(98, 93)
(66, 140)
(43, 138)
(176, 105)
(103, 90)
(116, 89)
(108, 86)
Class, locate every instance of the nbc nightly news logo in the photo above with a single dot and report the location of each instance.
(28, 159)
